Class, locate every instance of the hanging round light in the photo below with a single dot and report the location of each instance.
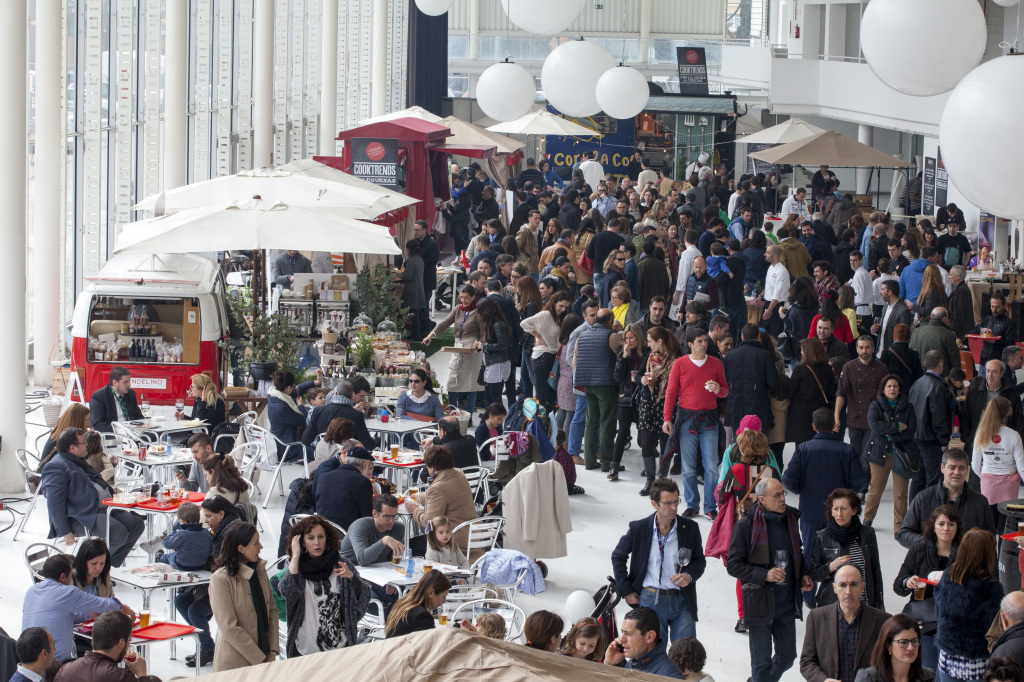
(543, 17)
(900, 43)
(622, 92)
(506, 91)
(570, 74)
(434, 8)
(981, 141)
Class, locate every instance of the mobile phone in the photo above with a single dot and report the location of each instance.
(618, 647)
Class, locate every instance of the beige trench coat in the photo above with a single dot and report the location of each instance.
(233, 610)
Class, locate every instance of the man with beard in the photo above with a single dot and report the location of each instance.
(111, 633)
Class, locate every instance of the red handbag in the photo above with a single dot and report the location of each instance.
(585, 264)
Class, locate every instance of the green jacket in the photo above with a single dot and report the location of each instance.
(936, 336)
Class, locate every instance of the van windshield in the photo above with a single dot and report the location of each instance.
(163, 330)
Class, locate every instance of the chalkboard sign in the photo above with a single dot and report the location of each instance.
(693, 71)
(941, 183)
(753, 165)
(928, 189)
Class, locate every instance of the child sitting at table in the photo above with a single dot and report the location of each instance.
(441, 548)
(315, 397)
(491, 625)
(191, 541)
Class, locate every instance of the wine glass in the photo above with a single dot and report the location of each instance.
(179, 404)
(683, 558)
(781, 558)
(144, 406)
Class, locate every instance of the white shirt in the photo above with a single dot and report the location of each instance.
(306, 637)
(733, 200)
(776, 284)
(794, 205)
(1002, 458)
(945, 281)
(661, 563)
(35, 677)
(881, 328)
(647, 176)
(861, 284)
(686, 266)
(593, 173)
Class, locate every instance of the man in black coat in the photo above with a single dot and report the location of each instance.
(462, 447)
(347, 396)
(430, 255)
(1000, 325)
(961, 303)
(1011, 614)
(895, 312)
(930, 399)
(673, 596)
(488, 208)
(346, 494)
(771, 593)
(730, 289)
(750, 369)
(897, 261)
(508, 309)
(841, 255)
(115, 402)
(977, 400)
(974, 508)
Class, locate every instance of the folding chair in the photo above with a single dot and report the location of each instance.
(483, 532)
(515, 617)
(28, 473)
(477, 477)
(269, 442)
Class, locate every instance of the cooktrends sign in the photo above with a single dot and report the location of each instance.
(375, 160)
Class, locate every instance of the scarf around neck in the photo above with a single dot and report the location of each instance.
(94, 476)
(318, 568)
(470, 308)
(285, 398)
(759, 552)
(845, 535)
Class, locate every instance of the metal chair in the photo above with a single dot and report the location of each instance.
(372, 624)
(502, 451)
(483, 532)
(36, 555)
(242, 420)
(273, 568)
(515, 617)
(425, 434)
(295, 518)
(459, 594)
(508, 591)
(28, 472)
(269, 442)
(477, 477)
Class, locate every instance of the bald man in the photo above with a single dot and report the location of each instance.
(840, 637)
(1011, 614)
(702, 286)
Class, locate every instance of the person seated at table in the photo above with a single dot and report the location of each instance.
(287, 414)
(96, 457)
(190, 541)
(115, 402)
(441, 547)
(201, 446)
(76, 416)
(375, 540)
(34, 649)
(207, 404)
(348, 395)
(462, 447)
(335, 442)
(449, 494)
(225, 480)
(73, 491)
(411, 613)
(315, 397)
(420, 398)
(346, 494)
(92, 570)
(543, 631)
(54, 602)
(242, 603)
(194, 604)
(492, 626)
(323, 594)
(492, 425)
(111, 638)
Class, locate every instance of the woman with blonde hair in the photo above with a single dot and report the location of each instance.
(614, 267)
(998, 455)
(76, 416)
(207, 404)
(411, 613)
(933, 292)
(656, 216)
(848, 306)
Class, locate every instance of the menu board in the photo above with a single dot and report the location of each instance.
(941, 183)
(693, 70)
(928, 188)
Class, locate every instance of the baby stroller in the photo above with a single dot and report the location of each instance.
(605, 600)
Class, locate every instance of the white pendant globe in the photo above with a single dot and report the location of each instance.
(544, 17)
(434, 8)
(506, 91)
(570, 74)
(903, 43)
(981, 139)
(622, 92)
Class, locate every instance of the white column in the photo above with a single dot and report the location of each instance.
(865, 135)
(474, 30)
(329, 79)
(175, 94)
(379, 60)
(263, 84)
(13, 190)
(645, 32)
(48, 192)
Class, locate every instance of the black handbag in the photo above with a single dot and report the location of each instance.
(911, 463)
(923, 613)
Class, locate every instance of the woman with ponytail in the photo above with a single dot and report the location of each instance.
(225, 480)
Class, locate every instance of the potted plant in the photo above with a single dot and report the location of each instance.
(269, 343)
(362, 348)
(378, 295)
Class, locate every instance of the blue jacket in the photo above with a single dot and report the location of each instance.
(636, 544)
(191, 544)
(964, 614)
(344, 495)
(656, 662)
(69, 494)
(818, 467)
(910, 279)
(502, 567)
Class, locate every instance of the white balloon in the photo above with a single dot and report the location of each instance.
(570, 74)
(543, 16)
(434, 8)
(578, 605)
(506, 91)
(622, 92)
(982, 141)
(1006, 3)
(923, 47)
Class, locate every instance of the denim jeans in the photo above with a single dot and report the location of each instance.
(930, 653)
(764, 667)
(463, 399)
(707, 443)
(492, 392)
(673, 612)
(930, 473)
(577, 426)
(197, 616)
(598, 278)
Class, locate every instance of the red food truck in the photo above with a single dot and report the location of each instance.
(161, 316)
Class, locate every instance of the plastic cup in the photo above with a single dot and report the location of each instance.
(427, 566)
(394, 451)
(919, 592)
(143, 619)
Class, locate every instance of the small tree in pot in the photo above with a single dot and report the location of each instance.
(378, 295)
(269, 343)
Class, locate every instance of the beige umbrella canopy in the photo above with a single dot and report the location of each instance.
(829, 148)
(788, 131)
(543, 123)
(411, 112)
(468, 134)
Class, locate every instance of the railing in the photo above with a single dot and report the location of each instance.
(782, 52)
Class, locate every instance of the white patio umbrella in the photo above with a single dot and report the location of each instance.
(788, 131)
(254, 224)
(543, 123)
(411, 112)
(299, 183)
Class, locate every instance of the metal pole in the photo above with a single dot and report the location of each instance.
(379, 60)
(175, 95)
(263, 84)
(329, 80)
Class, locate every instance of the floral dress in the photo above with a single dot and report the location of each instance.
(652, 398)
(566, 398)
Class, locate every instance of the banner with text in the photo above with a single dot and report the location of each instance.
(375, 160)
(693, 71)
(928, 190)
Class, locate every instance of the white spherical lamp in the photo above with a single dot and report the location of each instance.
(923, 47)
(578, 605)
(570, 74)
(542, 16)
(506, 91)
(622, 92)
(981, 139)
(434, 8)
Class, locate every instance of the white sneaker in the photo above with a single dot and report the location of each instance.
(152, 546)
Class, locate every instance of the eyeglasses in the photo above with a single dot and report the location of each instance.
(620, 260)
(415, 381)
(389, 517)
(80, 442)
(672, 503)
(907, 643)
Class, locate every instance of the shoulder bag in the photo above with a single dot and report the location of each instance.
(820, 387)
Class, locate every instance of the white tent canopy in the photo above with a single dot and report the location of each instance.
(254, 224)
(829, 148)
(788, 131)
(543, 123)
(411, 112)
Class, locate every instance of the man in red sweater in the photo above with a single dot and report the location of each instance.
(696, 383)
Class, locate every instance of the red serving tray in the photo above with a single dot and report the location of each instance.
(163, 631)
(1010, 536)
(928, 582)
(418, 462)
(110, 503)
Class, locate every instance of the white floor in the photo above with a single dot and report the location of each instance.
(599, 518)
